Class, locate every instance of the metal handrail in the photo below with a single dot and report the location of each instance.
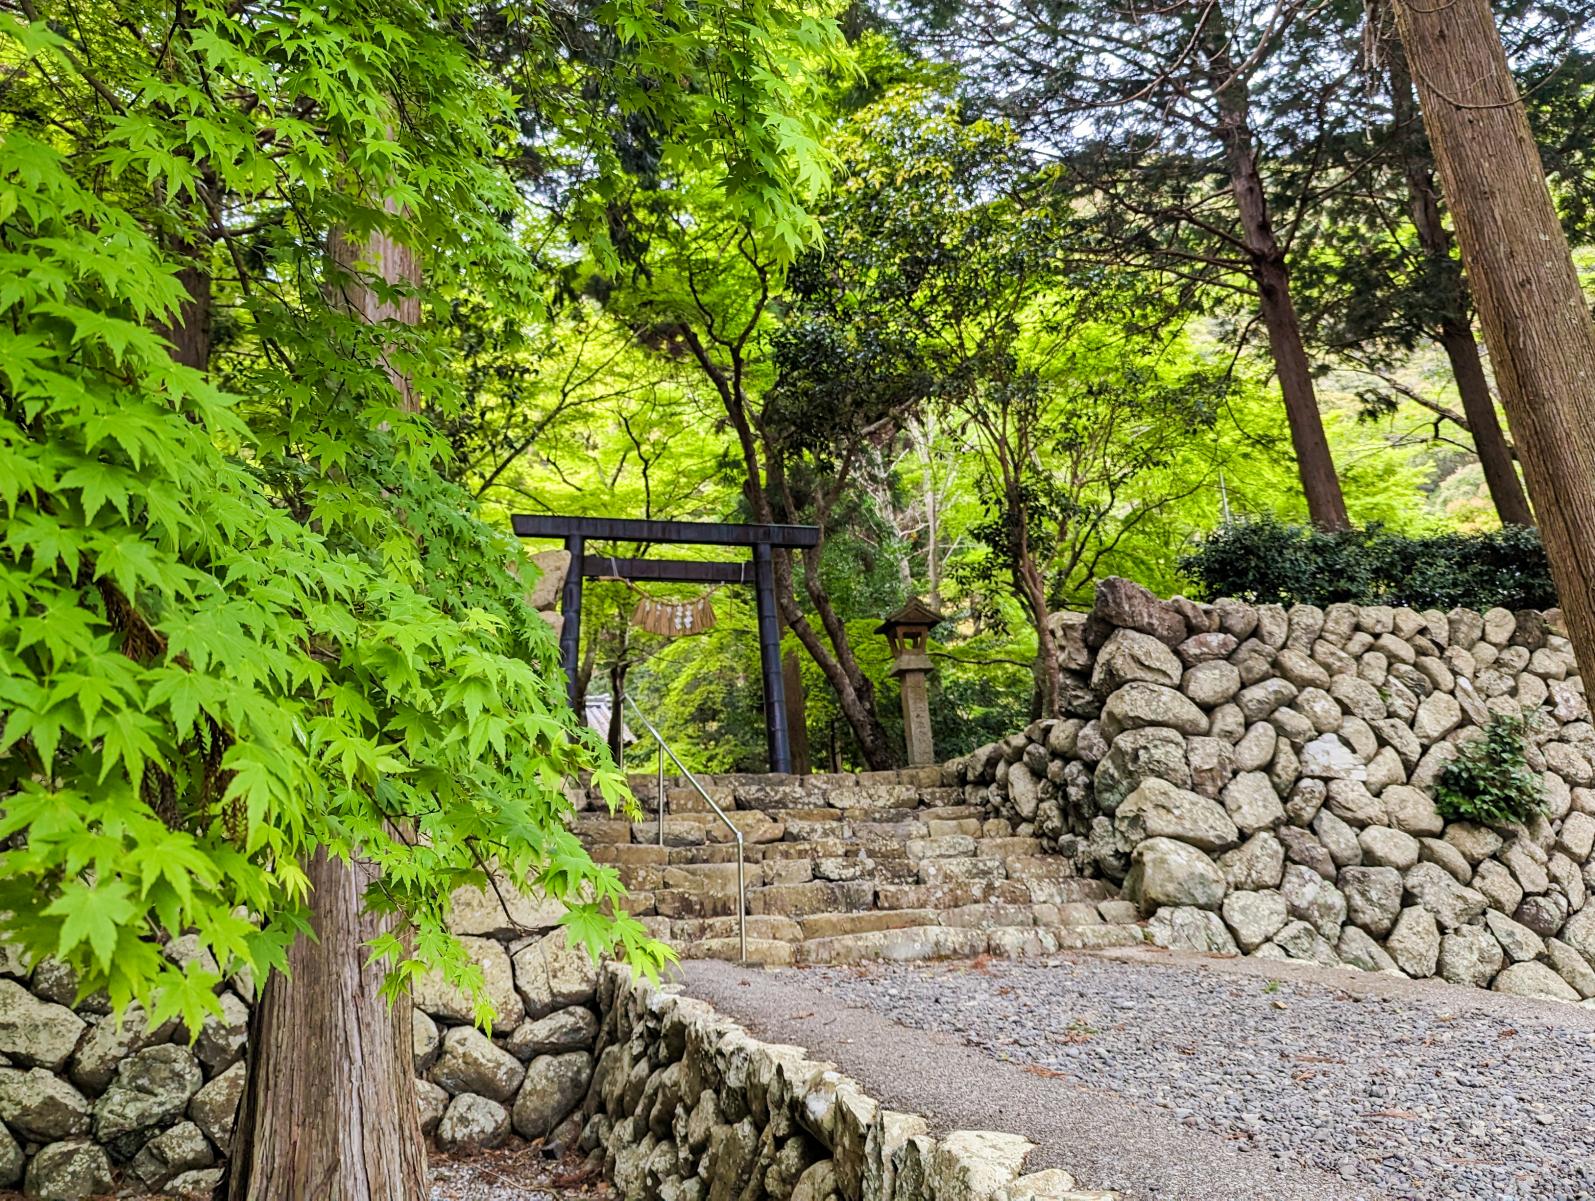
(664, 749)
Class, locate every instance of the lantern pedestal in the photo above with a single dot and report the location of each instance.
(913, 679)
(908, 634)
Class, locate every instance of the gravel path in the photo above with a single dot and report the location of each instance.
(1396, 1088)
(1103, 1140)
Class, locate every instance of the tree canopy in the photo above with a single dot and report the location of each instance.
(1002, 308)
(250, 613)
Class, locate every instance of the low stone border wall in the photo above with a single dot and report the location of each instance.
(677, 1102)
(88, 1105)
(686, 1106)
(1260, 782)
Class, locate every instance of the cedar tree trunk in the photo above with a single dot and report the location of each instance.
(1456, 332)
(1319, 482)
(1535, 318)
(329, 1111)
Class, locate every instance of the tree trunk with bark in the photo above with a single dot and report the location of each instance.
(1535, 318)
(191, 329)
(615, 736)
(1319, 481)
(1049, 676)
(190, 332)
(1489, 440)
(923, 436)
(329, 1110)
(855, 694)
(1456, 331)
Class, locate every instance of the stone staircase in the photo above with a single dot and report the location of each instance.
(847, 868)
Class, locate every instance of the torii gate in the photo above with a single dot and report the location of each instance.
(761, 538)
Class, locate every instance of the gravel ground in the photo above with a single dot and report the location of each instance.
(516, 1173)
(519, 1172)
(1431, 1092)
(1104, 1140)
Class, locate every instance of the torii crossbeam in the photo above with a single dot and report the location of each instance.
(577, 531)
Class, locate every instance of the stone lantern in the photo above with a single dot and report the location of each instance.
(907, 633)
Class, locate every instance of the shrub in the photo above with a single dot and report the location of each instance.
(1268, 562)
(1490, 780)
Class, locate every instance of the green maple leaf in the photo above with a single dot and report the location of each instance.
(93, 915)
(128, 738)
(586, 927)
(98, 484)
(190, 994)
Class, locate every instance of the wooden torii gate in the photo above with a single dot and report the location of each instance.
(763, 539)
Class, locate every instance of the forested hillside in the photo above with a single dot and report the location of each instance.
(299, 303)
(1023, 353)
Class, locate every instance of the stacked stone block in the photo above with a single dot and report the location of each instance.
(686, 1106)
(90, 1105)
(1261, 781)
(842, 867)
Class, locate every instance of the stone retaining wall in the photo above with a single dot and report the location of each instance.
(88, 1106)
(1260, 781)
(678, 1103)
(686, 1106)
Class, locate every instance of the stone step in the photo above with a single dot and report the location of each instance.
(901, 943)
(819, 848)
(951, 895)
(785, 798)
(696, 829)
(800, 900)
(846, 868)
(766, 952)
(1108, 920)
(831, 925)
(955, 811)
(690, 840)
(791, 826)
(687, 903)
(594, 830)
(1020, 943)
(805, 827)
(771, 927)
(907, 822)
(901, 882)
(974, 819)
(925, 781)
(718, 852)
(633, 853)
(912, 943)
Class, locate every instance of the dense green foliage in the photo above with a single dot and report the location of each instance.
(952, 327)
(254, 483)
(1270, 562)
(1490, 780)
(247, 617)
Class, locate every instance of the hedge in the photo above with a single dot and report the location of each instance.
(1267, 562)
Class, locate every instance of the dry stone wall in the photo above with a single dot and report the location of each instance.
(676, 1102)
(686, 1106)
(1260, 781)
(89, 1105)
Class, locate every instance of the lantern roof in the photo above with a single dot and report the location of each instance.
(915, 613)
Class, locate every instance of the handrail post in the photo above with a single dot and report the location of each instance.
(742, 899)
(736, 832)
